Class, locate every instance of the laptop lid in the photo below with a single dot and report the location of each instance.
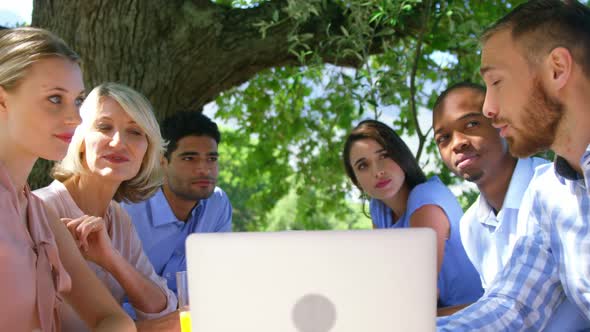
(313, 281)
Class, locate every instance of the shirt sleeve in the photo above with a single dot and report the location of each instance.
(434, 192)
(140, 261)
(522, 297)
(427, 193)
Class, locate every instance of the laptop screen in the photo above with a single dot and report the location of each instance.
(313, 281)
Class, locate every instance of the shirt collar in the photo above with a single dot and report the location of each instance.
(523, 172)
(485, 213)
(585, 163)
(162, 213)
(564, 171)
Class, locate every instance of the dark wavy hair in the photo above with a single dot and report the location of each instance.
(391, 142)
(187, 123)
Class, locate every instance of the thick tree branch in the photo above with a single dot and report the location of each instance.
(417, 58)
(184, 53)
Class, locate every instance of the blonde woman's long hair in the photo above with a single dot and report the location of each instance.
(149, 177)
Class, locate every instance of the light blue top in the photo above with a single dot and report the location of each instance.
(550, 262)
(163, 236)
(458, 282)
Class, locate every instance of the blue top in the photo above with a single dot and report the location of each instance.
(163, 236)
(458, 282)
(548, 264)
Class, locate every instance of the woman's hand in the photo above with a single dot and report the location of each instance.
(90, 234)
(88, 296)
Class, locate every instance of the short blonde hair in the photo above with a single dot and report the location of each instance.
(149, 177)
(21, 47)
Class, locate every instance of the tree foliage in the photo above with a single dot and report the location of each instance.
(300, 115)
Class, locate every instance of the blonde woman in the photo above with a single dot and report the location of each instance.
(114, 155)
(41, 90)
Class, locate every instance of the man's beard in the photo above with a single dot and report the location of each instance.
(187, 194)
(193, 196)
(473, 177)
(540, 118)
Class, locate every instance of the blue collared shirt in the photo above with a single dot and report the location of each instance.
(549, 263)
(163, 236)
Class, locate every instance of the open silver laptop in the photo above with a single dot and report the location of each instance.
(320, 281)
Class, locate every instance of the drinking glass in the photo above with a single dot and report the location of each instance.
(183, 303)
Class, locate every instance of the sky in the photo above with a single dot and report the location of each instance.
(15, 11)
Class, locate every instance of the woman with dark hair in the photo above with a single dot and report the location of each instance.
(382, 166)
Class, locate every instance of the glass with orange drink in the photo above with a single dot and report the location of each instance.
(183, 303)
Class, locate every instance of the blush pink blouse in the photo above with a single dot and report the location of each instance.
(124, 238)
(32, 277)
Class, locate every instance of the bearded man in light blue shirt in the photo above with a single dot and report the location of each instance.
(536, 69)
(189, 200)
(474, 150)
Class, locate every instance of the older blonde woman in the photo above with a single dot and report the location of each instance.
(41, 90)
(114, 155)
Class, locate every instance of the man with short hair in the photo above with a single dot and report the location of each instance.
(536, 66)
(188, 201)
(474, 150)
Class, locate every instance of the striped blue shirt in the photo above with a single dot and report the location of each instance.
(547, 265)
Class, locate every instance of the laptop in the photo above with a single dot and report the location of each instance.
(313, 281)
